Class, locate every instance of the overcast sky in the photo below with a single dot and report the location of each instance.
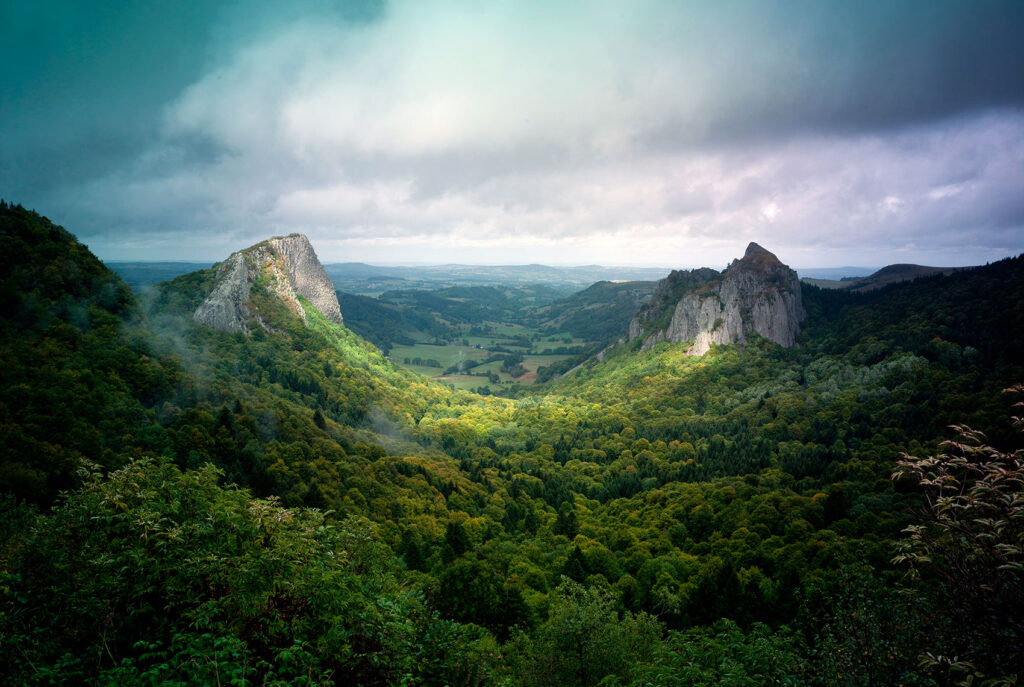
(628, 132)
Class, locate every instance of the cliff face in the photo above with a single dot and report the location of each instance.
(756, 293)
(286, 266)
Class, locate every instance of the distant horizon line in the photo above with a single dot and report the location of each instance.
(517, 264)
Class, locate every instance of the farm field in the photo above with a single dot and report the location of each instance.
(435, 361)
(502, 338)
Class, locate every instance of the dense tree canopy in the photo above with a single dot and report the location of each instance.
(192, 506)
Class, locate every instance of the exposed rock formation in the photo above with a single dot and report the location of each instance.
(225, 308)
(754, 294)
(284, 265)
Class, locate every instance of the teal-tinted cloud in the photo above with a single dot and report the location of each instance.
(513, 126)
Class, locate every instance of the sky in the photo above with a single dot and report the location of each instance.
(593, 132)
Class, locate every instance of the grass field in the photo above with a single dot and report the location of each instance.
(453, 353)
(467, 382)
(446, 355)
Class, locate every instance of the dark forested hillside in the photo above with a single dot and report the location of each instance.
(289, 507)
(599, 313)
(384, 324)
(77, 379)
(978, 308)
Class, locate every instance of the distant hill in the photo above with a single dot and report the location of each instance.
(894, 274)
(891, 274)
(141, 275)
(404, 316)
(384, 324)
(364, 279)
(833, 273)
(600, 312)
(360, 278)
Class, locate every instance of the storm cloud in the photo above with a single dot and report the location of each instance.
(644, 132)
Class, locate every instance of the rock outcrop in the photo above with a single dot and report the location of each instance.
(756, 293)
(286, 266)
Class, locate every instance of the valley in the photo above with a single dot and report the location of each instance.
(384, 343)
(226, 476)
(495, 340)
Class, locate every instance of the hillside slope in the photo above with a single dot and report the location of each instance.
(75, 377)
(680, 508)
(600, 313)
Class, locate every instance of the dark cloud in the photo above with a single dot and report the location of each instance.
(597, 130)
(789, 68)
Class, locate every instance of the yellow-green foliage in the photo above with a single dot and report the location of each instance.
(750, 485)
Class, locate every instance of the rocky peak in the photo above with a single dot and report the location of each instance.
(756, 257)
(755, 249)
(285, 266)
(755, 294)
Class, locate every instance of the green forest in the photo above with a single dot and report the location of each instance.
(183, 506)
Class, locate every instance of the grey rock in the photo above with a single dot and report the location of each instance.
(634, 328)
(285, 265)
(308, 277)
(756, 293)
(225, 307)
